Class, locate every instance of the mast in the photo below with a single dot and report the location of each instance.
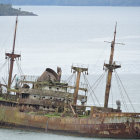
(110, 67)
(79, 71)
(12, 56)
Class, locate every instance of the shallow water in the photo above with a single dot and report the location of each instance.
(6, 134)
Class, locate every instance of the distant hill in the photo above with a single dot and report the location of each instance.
(74, 2)
(7, 10)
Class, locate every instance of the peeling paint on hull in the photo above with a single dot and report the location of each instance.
(111, 126)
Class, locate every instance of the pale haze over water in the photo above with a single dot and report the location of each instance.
(60, 36)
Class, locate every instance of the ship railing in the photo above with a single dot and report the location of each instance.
(115, 62)
(64, 81)
(29, 78)
(81, 85)
(8, 98)
(16, 52)
(43, 92)
(80, 65)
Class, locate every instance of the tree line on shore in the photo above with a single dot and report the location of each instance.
(74, 2)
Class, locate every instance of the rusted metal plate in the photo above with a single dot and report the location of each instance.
(105, 126)
(50, 93)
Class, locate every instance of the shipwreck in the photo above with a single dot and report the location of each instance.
(45, 103)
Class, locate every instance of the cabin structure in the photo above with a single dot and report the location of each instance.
(46, 94)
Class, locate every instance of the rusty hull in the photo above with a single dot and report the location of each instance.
(109, 125)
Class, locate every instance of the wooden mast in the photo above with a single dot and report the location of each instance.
(110, 67)
(75, 95)
(78, 70)
(12, 56)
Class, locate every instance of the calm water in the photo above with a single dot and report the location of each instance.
(28, 135)
(61, 36)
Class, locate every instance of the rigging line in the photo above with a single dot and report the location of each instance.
(121, 93)
(21, 72)
(111, 91)
(8, 65)
(92, 90)
(3, 65)
(122, 96)
(5, 41)
(18, 68)
(90, 94)
(125, 92)
(69, 79)
(1, 60)
(75, 79)
(112, 96)
(85, 86)
(19, 65)
(93, 94)
(4, 81)
(92, 98)
(101, 54)
(99, 80)
(106, 75)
